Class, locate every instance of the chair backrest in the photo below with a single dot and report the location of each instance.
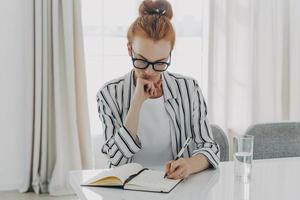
(275, 140)
(222, 141)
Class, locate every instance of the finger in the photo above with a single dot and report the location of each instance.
(150, 86)
(160, 84)
(155, 92)
(167, 166)
(152, 89)
(174, 165)
(157, 85)
(178, 173)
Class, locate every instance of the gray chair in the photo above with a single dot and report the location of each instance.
(222, 141)
(275, 140)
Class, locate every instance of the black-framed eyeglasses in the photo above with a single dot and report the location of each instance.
(158, 66)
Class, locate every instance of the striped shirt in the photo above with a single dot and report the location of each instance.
(186, 109)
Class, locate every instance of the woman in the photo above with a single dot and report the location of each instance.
(149, 113)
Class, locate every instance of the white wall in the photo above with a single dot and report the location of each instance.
(16, 50)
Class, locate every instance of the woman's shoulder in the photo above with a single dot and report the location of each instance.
(112, 83)
(187, 83)
(188, 79)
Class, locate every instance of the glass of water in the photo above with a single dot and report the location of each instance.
(243, 154)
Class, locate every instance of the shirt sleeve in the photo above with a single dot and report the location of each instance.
(205, 143)
(119, 145)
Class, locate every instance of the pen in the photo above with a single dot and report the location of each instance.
(186, 143)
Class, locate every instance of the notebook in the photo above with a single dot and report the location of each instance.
(133, 176)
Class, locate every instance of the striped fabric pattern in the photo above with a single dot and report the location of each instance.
(185, 105)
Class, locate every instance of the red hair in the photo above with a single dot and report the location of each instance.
(154, 22)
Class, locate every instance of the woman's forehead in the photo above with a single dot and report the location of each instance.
(152, 50)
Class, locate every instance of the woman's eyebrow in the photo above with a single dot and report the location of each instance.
(148, 60)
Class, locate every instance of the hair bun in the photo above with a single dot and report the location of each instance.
(156, 7)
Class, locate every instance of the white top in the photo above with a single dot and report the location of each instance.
(154, 134)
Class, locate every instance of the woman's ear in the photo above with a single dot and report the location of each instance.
(129, 48)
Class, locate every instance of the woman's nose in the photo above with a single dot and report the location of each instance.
(149, 69)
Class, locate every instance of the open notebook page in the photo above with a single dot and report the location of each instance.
(152, 179)
(122, 172)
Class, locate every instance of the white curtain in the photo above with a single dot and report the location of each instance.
(253, 62)
(59, 139)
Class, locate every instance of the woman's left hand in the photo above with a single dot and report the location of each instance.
(178, 169)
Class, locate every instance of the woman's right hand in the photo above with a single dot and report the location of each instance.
(144, 90)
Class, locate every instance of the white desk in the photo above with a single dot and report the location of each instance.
(274, 179)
